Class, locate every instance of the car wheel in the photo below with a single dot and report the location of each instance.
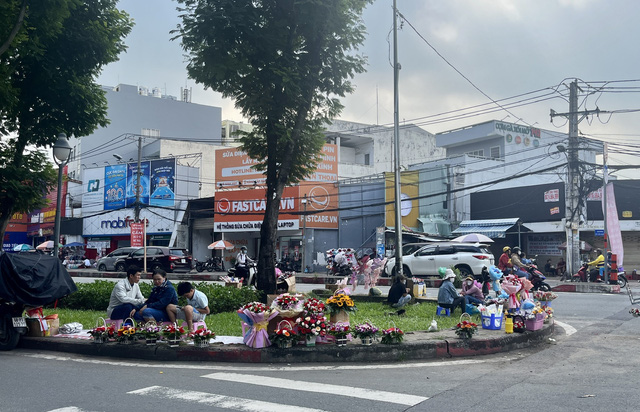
(120, 267)
(405, 271)
(102, 267)
(465, 271)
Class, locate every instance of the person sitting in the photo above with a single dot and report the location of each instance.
(197, 306)
(471, 291)
(448, 297)
(504, 262)
(163, 294)
(596, 274)
(519, 266)
(561, 267)
(398, 293)
(549, 269)
(126, 297)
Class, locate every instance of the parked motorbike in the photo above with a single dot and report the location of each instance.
(538, 279)
(210, 265)
(28, 280)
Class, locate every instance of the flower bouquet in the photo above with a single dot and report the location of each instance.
(151, 332)
(173, 334)
(339, 306)
(635, 312)
(392, 336)
(256, 317)
(465, 329)
(340, 331)
(284, 335)
(548, 311)
(366, 332)
(288, 306)
(101, 334)
(311, 326)
(201, 337)
(544, 297)
(314, 306)
(126, 334)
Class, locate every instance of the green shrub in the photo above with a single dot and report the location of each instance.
(226, 299)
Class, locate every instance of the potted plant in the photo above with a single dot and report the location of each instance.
(284, 335)
(339, 307)
(126, 334)
(102, 334)
(151, 333)
(173, 334)
(201, 337)
(311, 326)
(340, 331)
(366, 332)
(465, 329)
(392, 336)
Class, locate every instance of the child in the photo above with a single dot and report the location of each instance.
(197, 306)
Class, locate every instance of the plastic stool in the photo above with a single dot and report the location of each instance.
(447, 311)
(115, 322)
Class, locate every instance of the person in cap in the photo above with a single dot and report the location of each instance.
(504, 263)
(448, 296)
(471, 291)
(398, 293)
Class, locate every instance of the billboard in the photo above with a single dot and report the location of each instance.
(408, 199)
(115, 180)
(162, 181)
(132, 181)
(322, 205)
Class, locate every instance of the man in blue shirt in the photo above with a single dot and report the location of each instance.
(196, 309)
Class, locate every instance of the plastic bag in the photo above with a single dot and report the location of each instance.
(67, 328)
(471, 310)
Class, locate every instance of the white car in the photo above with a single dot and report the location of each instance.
(469, 258)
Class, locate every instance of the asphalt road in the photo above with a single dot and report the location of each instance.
(591, 365)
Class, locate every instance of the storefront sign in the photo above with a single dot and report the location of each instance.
(137, 234)
(552, 195)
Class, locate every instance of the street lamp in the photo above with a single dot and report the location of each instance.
(61, 152)
(304, 232)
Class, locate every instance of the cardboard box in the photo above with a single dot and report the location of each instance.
(289, 285)
(233, 284)
(35, 327)
(54, 326)
(419, 290)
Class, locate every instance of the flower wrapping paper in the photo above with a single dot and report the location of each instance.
(256, 335)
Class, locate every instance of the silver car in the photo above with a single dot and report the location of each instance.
(469, 258)
(107, 263)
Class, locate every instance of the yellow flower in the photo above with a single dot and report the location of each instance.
(340, 303)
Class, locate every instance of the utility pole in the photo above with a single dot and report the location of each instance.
(396, 144)
(573, 210)
(605, 178)
(137, 210)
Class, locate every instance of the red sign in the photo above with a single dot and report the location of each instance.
(554, 210)
(137, 234)
(552, 195)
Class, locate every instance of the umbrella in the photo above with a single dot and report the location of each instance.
(23, 247)
(473, 238)
(221, 244)
(45, 245)
(74, 244)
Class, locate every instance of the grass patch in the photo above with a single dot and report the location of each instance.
(417, 317)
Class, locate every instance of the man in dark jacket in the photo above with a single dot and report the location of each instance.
(163, 293)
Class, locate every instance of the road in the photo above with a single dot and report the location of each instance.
(591, 365)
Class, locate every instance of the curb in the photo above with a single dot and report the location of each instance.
(582, 287)
(414, 348)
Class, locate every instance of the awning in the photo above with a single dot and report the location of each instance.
(493, 228)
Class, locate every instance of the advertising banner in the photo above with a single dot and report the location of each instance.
(115, 181)
(137, 234)
(408, 202)
(163, 174)
(132, 181)
(243, 210)
(93, 198)
(322, 205)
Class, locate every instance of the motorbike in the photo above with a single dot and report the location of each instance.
(28, 280)
(251, 277)
(210, 265)
(581, 276)
(538, 279)
(584, 275)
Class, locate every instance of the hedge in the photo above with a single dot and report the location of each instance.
(95, 296)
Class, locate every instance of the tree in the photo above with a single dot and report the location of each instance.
(47, 86)
(284, 62)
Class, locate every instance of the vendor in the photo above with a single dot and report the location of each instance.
(398, 293)
(448, 297)
(471, 291)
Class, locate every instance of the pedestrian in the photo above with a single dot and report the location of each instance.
(162, 294)
(197, 306)
(126, 297)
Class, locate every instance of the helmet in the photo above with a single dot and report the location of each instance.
(504, 249)
(243, 248)
(516, 249)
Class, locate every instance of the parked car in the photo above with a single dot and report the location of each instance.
(162, 257)
(108, 263)
(469, 258)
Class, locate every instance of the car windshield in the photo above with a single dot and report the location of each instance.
(178, 252)
(411, 247)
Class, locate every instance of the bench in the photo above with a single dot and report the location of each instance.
(634, 300)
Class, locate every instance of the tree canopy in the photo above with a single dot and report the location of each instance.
(55, 50)
(285, 63)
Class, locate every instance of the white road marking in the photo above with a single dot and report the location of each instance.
(260, 367)
(220, 401)
(568, 329)
(68, 409)
(350, 391)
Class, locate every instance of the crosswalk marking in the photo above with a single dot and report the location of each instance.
(219, 401)
(370, 394)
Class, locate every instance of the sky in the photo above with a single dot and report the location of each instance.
(454, 54)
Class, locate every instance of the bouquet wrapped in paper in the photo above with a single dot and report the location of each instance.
(257, 316)
(288, 306)
(511, 286)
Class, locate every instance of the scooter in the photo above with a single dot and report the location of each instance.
(538, 279)
(210, 265)
(581, 276)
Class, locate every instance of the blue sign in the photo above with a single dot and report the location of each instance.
(599, 232)
(115, 181)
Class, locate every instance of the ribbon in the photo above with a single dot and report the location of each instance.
(260, 326)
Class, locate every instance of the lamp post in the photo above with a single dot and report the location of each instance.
(61, 152)
(304, 232)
